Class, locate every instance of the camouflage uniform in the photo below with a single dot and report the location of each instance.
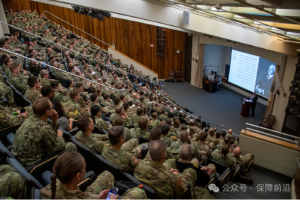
(6, 92)
(95, 142)
(101, 124)
(244, 161)
(229, 162)
(32, 94)
(36, 139)
(138, 132)
(125, 160)
(211, 141)
(195, 153)
(163, 117)
(19, 83)
(153, 124)
(74, 106)
(45, 82)
(202, 147)
(173, 132)
(12, 184)
(128, 121)
(165, 183)
(167, 140)
(7, 119)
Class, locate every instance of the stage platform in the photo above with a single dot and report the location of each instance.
(222, 107)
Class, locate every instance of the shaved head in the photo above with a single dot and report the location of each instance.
(237, 152)
(230, 131)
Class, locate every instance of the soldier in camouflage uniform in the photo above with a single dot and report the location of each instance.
(165, 130)
(141, 131)
(33, 93)
(99, 122)
(201, 146)
(164, 116)
(119, 153)
(211, 139)
(154, 122)
(6, 92)
(75, 164)
(120, 113)
(12, 184)
(245, 161)
(154, 174)
(7, 119)
(36, 138)
(95, 142)
(16, 79)
(222, 157)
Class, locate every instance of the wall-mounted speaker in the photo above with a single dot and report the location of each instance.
(186, 18)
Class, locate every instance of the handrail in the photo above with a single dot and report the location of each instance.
(130, 73)
(74, 27)
(44, 39)
(59, 69)
(132, 59)
(273, 131)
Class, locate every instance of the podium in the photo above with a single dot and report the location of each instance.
(246, 105)
(210, 86)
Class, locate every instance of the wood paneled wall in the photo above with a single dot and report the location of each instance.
(131, 38)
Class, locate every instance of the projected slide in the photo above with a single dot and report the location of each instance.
(251, 72)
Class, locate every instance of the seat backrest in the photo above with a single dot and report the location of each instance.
(30, 180)
(104, 164)
(150, 192)
(35, 193)
(73, 131)
(20, 100)
(66, 135)
(4, 132)
(4, 152)
(143, 140)
(219, 166)
(179, 74)
(10, 138)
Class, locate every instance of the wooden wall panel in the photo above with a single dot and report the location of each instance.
(16, 5)
(131, 38)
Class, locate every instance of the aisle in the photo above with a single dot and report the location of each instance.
(223, 107)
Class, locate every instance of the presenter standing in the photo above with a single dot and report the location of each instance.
(254, 100)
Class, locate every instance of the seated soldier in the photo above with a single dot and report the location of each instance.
(184, 139)
(47, 91)
(12, 184)
(173, 131)
(165, 130)
(219, 139)
(33, 92)
(69, 170)
(119, 152)
(120, 122)
(95, 142)
(223, 157)
(141, 131)
(18, 81)
(98, 121)
(245, 161)
(8, 119)
(164, 116)
(211, 139)
(201, 146)
(36, 138)
(140, 113)
(154, 122)
(120, 113)
(167, 183)
(186, 161)
(75, 110)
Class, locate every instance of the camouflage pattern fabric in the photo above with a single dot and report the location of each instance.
(104, 181)
(36, 139)
(128, 120)
(32, 94)
(138, 132)
(153, 124)
(202, 147)
(73, 106)
(229, 162)
(125, 160)
(167, 140)
(165, 183)
(6, 92)
(95, 142)
(7, 119)
(12, 184)
(19, 83)
(45, 82)
(101, 124)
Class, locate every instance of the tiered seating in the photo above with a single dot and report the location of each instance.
(38, 175)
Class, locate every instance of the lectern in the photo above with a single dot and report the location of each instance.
(246, 105)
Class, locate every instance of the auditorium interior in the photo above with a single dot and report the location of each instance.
(209, 84)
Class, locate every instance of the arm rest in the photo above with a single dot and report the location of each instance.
(224, 178)
(237, 173)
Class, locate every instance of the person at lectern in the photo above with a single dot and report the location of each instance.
(264, 86)
(254, 100)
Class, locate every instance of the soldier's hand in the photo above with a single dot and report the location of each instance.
(174, 171)
(59, 133)
(103, 194)
(25, 114)
(204, 168)
(54, 116)
(203, 152)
